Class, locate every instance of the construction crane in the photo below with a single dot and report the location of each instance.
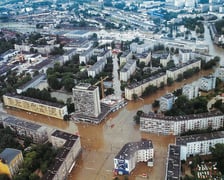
(101, 85)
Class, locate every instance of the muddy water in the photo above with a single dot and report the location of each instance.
(45, 120)
(101, 143)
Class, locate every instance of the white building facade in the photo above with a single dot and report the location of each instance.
(190, 91)
(207, 83)
(160, 124)
(199, 144)
(132, 153)
(166, 102)
(128, 69)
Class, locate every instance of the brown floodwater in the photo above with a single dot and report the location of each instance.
(100, 143)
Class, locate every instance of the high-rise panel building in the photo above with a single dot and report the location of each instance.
(87, 99)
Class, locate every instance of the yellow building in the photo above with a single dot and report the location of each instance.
(11, 160)
(35, 105)
(4, 169)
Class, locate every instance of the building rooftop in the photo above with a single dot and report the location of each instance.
(85, 86)
(185, 50)
(86, 52)
(125, 53)
(103, 53)
(41, 64)
(97, 65)
(183, 117)
(8, 154)
(53, 104)
(64, 135)
(183, 140)
(35, 78)
(168, 96)
(128, 65)
(183, 65)
(22, 123)
(129, 149)
(173, 163)
(139, 83)
(70, 140)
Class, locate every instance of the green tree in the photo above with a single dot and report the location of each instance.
(134, 97)
(4, 177)
(169, 81)
(53, 82)
(68, 84)
(34, 176)
(155, 104)
(217, 153)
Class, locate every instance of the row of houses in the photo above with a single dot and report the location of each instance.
(139, 87)
(160, 124)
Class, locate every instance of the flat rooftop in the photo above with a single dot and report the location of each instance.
(183, 65)
(168, 96)
(129, 149)
(22, 123)
(61, 156)
(151, 78)
(97, 65)
(85, 86)
(173, 163)
(35, 78)
(183, 140)
(183, 117)
(57, 105)
(128, 65)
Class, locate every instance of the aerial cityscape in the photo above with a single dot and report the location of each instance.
(111, 89)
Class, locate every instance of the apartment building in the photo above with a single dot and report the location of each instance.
(126, 55)
(6, 56)
(85, 56)
(67, 56)
(22, 128)
(219, 73)
(207, 83)
(185, 55)
(173, 164)
(160, 124)
(140, 48)
(139, 87)
(132, 153)
(46, 108)
(10, 161)
(97, 67)
(87, 99)
(166, 102)
(164, 59)
(128, 69)
(104, 55)
(190, 90)
(144, 57)
(174, 72)
(31, 84)
(198, 144)
(70, 148)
